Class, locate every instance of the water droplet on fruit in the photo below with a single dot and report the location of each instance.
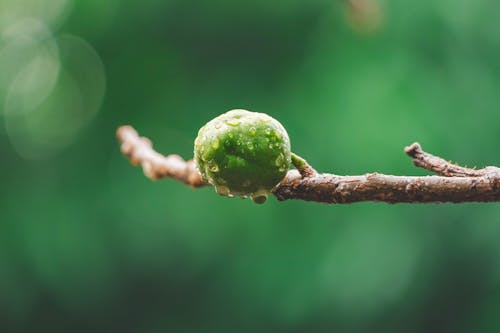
(279, 160)
(268, 130)
(222, 190)
(233, 122)
(276, 134)
(252, 130)
(259, 196)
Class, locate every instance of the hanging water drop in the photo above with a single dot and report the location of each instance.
(259, 199)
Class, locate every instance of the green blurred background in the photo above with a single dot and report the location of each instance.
(88, 244)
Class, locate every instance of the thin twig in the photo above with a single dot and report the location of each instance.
(140, 151)
(456, 184)
(438, 165)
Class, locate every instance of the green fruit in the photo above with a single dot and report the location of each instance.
(243, 153)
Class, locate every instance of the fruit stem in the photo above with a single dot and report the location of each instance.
(302, 166)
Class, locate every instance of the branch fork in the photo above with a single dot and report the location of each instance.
(453, 183)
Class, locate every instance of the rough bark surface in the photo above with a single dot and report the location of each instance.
(454, 183)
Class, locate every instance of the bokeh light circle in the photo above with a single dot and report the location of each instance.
(51, 12)
(44, 129)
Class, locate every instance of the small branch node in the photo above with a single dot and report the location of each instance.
(302, 166)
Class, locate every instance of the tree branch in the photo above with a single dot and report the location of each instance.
(455, 183)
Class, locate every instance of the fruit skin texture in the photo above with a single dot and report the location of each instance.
(243, 153)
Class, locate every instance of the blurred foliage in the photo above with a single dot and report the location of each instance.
(89, 244)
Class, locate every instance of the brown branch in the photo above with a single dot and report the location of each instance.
(456, 183)
(387, 188)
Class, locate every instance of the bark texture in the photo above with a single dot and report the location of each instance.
(454, 184)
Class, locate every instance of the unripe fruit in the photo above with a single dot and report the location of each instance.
(243, 153)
